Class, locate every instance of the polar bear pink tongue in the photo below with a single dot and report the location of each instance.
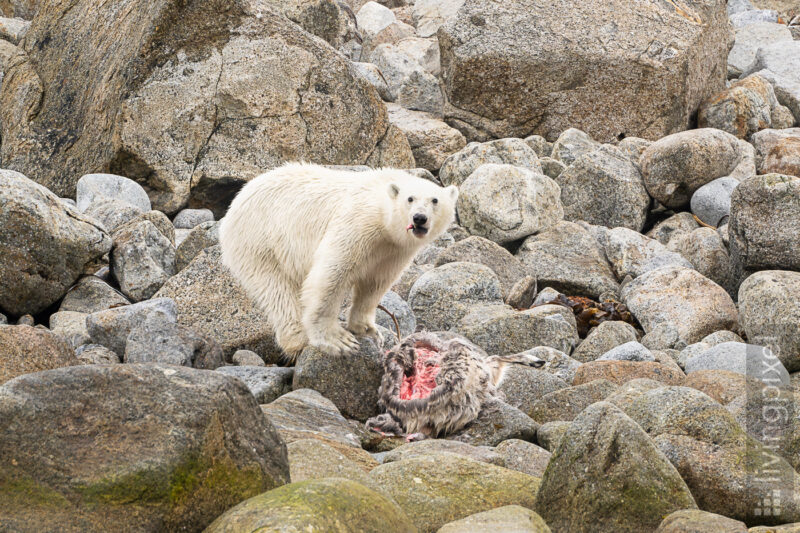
(410, 226)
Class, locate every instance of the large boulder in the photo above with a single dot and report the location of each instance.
(334, 505)
(25, 350)
(569, 259)
(201, 94)
(443, 296)
(150, 464)
(764, 227)
(505, 203)
(725, 468)
(306, 414)
(507, 518)
(678, 305)
(211, 301)
(516, 152)
(350, 380)
(44, 245)
(431, 140)
(476, 249)
(439, 488)
(607, 475)
(679, 164)
(515, 68)
(604, 187)
(769, 310)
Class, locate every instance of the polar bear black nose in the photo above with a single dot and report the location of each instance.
(420, 219)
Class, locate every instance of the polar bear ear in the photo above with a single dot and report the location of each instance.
(394, 190)
(453, 190)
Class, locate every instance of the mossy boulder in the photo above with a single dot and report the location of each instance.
(313, 459)
(438, 488)
(484, 454)
(511, 518)
(607, 475)
(144, 447)
(696, 521)
(332, 505)
(728, 471)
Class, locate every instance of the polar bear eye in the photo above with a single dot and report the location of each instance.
(435, 201)
(410, 199)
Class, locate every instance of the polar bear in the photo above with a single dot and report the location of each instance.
(301, 237)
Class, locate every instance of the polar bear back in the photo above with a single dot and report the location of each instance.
(288, 211)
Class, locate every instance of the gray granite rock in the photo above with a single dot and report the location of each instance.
(306, 414)
(441, 297)
(501, 330)
(603, 338)
(484, 454)
(764, 227)
(111, 327)
(523, 456)
(705, 250)
(95, 188)
(350, 381)
(549, 435)
(412, 86)
(496, 423)
(712, 202)
(630, 351)
(604, 457)
(523, 386)
(757, 362)
(92, 294)
(46, 245)
(475, 249)
(557, 363)
(191, 218)
(572, 144)
(247, 358)
(681, 302)
(157, 341)
(505, 203)
(569, 259)
(458, 167)
(211, 302)
(604, 187)
(633, 254)
(70, 326)
(265, 383)
(675, 166)
(769, 308)
(752, 37)
(197, 239)
(142, 260)
(96, 354)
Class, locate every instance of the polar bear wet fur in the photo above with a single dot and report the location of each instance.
(301, 237)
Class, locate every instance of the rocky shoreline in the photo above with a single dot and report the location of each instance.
(629, 212)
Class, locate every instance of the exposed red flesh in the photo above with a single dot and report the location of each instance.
(423, 379)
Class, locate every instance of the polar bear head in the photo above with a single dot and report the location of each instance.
(421, 210)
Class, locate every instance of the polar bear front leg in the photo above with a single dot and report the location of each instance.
(367, 295)
(322, 295)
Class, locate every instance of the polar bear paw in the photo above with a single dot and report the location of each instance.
(335, 341)
(366, 329)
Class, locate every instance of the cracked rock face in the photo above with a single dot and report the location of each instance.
(181, 96)
(640, 69)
